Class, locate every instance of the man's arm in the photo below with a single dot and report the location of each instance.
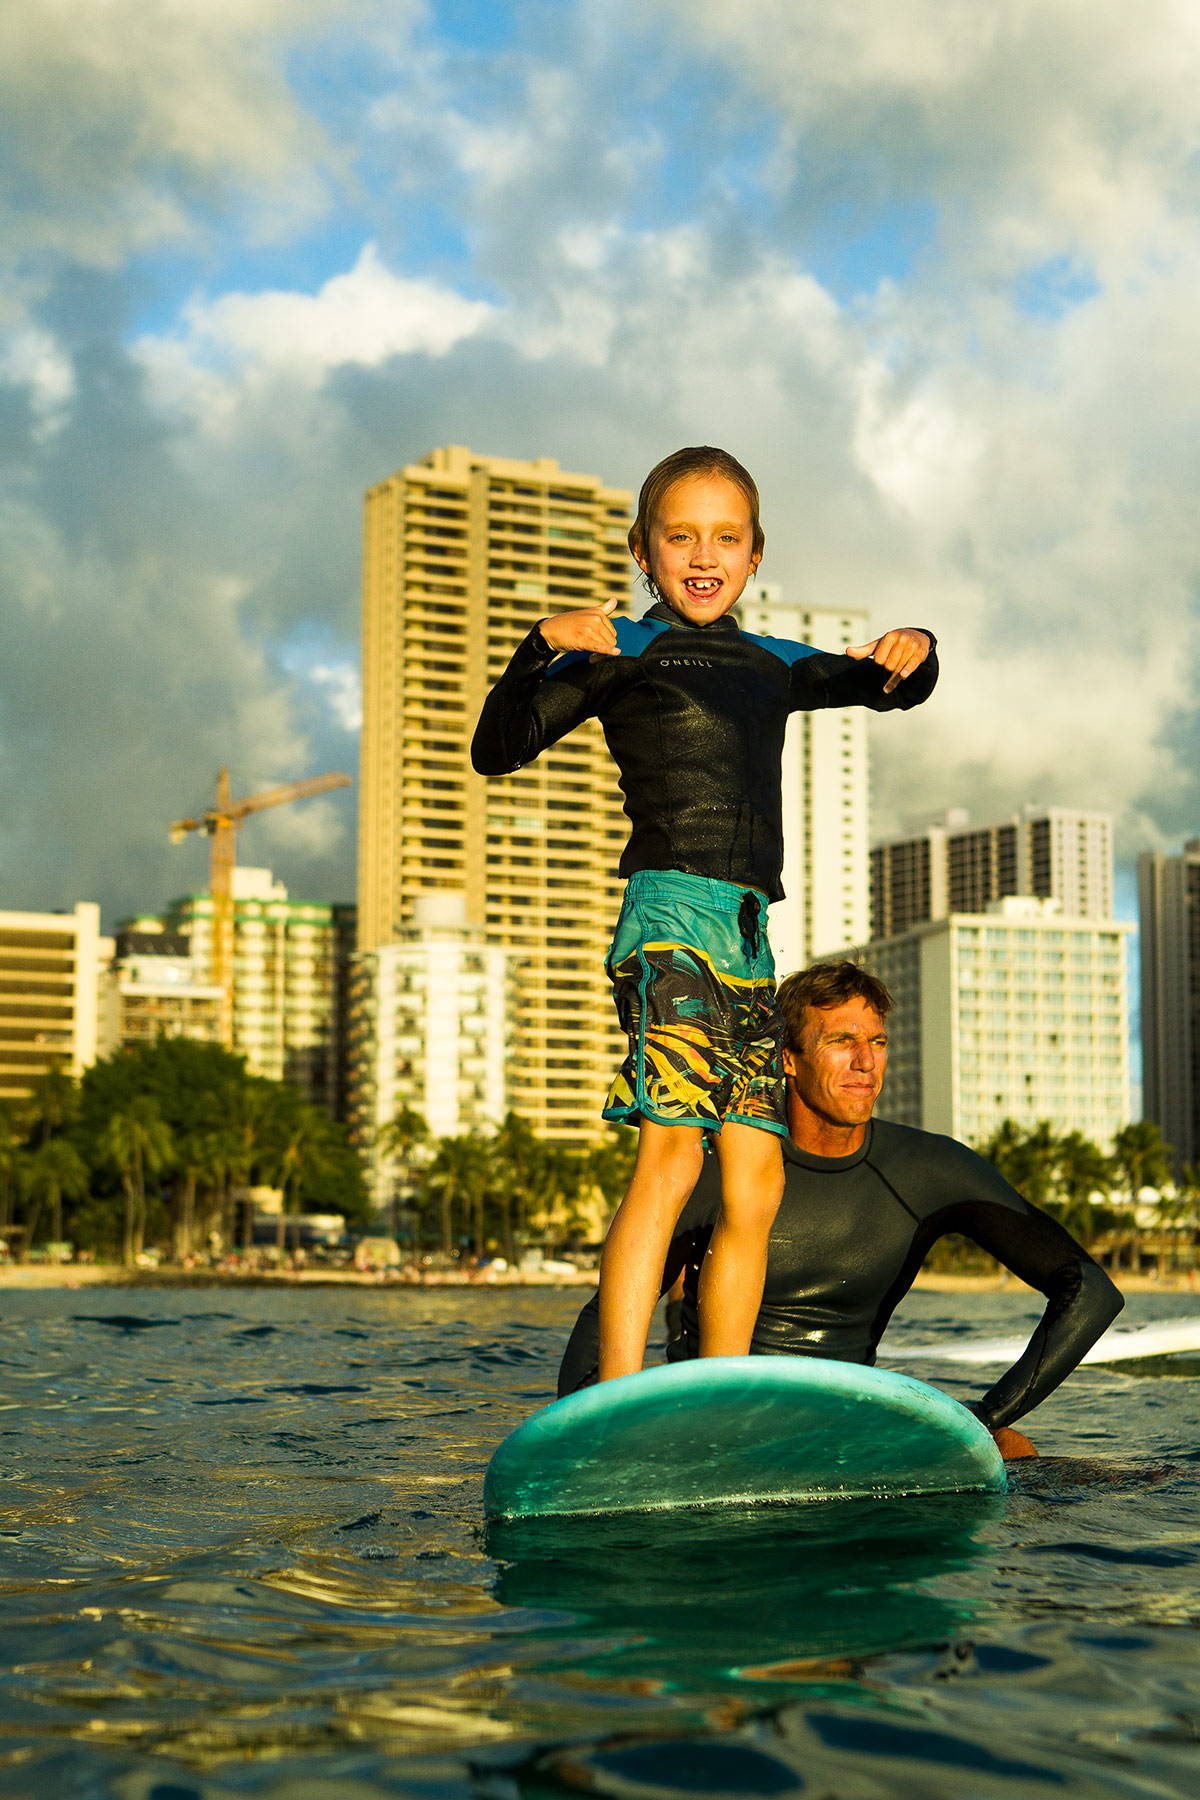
(580, 1365)
(1081, 1300)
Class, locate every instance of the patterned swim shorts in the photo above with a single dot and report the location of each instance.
(694, 982)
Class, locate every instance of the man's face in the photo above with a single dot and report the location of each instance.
(838, 1070)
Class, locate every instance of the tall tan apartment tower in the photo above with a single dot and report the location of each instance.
(462, 555)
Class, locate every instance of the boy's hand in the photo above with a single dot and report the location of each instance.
(901, 651)
(591, 628)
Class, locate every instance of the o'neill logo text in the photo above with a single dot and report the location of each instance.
(686, 662)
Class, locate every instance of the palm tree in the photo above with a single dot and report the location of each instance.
(55, 1172)
(1189, 1192)
(1005, 1150)
(12, 1137)
(519, 1159)
(138, 1143)
(406, 1132)
(302, 1148)
(245, 1122)
(191, 1161)
(220, 1151)
(1082, 1171)
(53, 1102)
(461, 1170)
(1140, 1160)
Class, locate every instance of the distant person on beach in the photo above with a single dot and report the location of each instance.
(694, 711)
(864, 1201)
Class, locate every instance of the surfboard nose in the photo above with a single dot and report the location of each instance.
(740, 1431)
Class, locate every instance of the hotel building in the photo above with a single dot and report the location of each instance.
(1016, 1013)
(155, 989)
(430, 1028)
(825, 793)
(1052, 853)
(288, 958)
(50, 972)
(463, 554)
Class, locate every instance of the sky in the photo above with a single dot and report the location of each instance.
(928, 269)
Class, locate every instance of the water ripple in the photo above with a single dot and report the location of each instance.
(241, 1554)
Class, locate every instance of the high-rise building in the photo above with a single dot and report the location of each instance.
(50, 974)
(1048, 852)
(430, 1029)
(155, 989)
(1169, 945)
(1017, 1013)
(286, 959)
(463, 554)
(825, 793)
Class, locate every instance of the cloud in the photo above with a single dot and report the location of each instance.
(364, 316)
(1032, 124)
(133, 123)
(32, 359)
(626, 247)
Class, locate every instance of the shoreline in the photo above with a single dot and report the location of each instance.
(33, 1276)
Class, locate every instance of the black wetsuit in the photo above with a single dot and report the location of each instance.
(850, 1236)
(694, 716)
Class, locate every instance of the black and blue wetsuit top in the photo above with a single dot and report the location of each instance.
(848, 1239)
(694, 716)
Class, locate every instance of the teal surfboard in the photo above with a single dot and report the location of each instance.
(739, 1430)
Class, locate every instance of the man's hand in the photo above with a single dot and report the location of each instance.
(1012, 1444)
(901, 651)
(591, 628)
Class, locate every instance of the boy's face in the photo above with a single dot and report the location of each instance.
(701, 551)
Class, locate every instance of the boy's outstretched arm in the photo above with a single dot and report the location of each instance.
(901, 652)
(897, 670)
(526, 712)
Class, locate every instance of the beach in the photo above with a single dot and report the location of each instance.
(92, 1275)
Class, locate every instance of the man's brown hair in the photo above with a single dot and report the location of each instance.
(698, 459)
(828, 984)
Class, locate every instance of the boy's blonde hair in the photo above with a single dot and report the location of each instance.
(699, 459)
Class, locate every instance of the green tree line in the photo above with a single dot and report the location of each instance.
(1095, 1193)
(149, 1147)
(501, 1191)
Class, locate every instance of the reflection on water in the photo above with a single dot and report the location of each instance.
(747, 1595)
(241, 1553)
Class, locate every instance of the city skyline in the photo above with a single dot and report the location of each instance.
(935, 287)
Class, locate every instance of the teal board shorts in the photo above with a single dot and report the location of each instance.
(694, 983)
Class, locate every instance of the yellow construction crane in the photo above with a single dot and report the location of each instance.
(221, 822)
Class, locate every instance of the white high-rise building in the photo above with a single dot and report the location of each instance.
(287, 961)
(431, 1028)
(154, 989)
(825, 793)
(51, 968)
(1016, 1013)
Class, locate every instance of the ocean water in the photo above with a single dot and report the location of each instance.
(241, 1553)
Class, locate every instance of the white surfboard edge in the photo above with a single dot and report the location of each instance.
(1119, 1344)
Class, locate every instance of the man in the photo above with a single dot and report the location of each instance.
(863, 1202)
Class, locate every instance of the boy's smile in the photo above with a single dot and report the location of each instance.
(701, 552)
